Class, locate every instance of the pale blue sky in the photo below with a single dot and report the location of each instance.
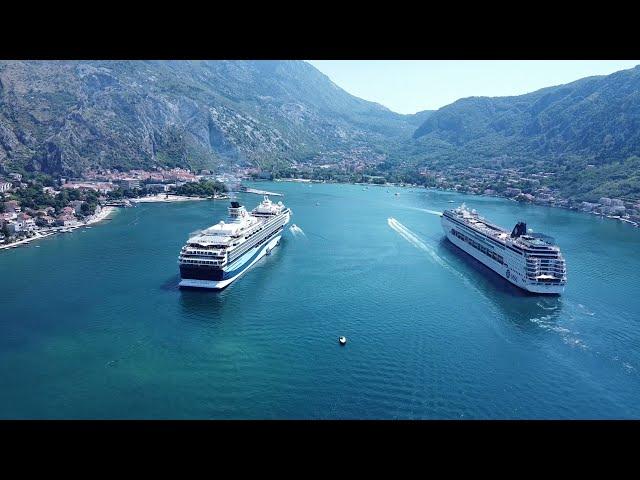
(409, 86)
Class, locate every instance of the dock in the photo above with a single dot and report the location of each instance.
(261, 192)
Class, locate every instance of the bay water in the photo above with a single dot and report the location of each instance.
(93, 324)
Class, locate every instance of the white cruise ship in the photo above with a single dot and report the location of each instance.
(530, 261)
(215, 257)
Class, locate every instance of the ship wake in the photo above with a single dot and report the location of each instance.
(414, 240)
(296, 230)
(431, 212)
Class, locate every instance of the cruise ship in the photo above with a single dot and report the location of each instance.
(218, 255)
(530, 261)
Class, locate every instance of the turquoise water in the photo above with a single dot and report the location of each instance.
(92, 324)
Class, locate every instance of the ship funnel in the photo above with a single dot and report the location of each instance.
(519, 230)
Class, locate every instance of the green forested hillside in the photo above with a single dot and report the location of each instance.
(587, 131)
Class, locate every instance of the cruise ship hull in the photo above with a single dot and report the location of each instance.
(217, 279)
(513, 275)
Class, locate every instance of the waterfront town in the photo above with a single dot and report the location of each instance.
(32, 208)
(513, 183)
(37, 206)
(534, 188)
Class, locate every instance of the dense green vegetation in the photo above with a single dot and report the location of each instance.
(376, 175)
(203, 188)
(615, 180)
(120, 193)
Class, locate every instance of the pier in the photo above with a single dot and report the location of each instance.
(260, 192)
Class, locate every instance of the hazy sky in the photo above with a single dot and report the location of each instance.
(409, 86)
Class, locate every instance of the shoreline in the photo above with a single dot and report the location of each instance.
(600, 215)
(104, 213)
(164, 198)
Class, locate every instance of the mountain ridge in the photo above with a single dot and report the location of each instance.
(568, 119)
(64, 116)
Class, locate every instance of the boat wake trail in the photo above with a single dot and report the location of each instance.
(414, 240)
(296, 230)
(432, 212)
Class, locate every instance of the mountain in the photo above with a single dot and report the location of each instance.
(596, 117)
(64, 117)
(590, 123)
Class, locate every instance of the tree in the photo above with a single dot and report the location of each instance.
(202, 188)
(87, 208)
(5, 230)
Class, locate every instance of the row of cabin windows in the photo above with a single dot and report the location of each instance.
(259, 230)
(207, 247)
(201, 262)
(235, 255)
(489, 253)
(252, 234)
(541, 260)
(200, 252)
(248, 245)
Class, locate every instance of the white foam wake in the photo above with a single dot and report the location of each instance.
(432, 212)
(296, 230)
(414, 240)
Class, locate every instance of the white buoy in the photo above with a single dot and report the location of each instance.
(342, 340)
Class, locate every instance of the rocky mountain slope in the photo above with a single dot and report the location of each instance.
(63, 117)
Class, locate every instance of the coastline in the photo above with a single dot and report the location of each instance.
(550, 205)
(104, 213)
(163, 197)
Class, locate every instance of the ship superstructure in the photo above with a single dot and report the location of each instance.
(530, 261)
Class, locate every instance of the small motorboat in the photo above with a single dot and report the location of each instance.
(342, 340)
